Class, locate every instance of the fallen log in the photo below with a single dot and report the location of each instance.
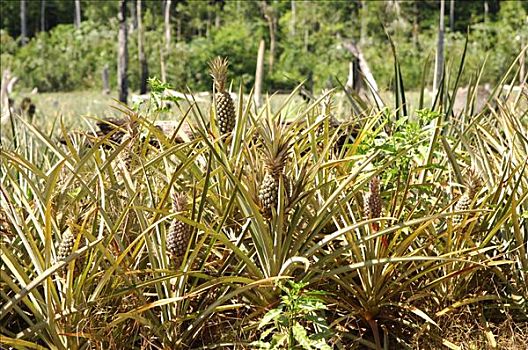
(115, 129)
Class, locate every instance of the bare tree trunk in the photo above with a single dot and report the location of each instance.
(439, 62)
(77, 17)
(208, 23)
(354, 83)
(217, 20)
(163, 70)
(122, 59)
(106, 81)
(259, 74)
(271, 18)
(133, 14)
(306, 39)
(522, 60)
(165, 54)
(217, 15)
(416, 27)
(42, 15)
(363, 22)
(522, 73)
(6, 86)
(365, 71)
(350, 81)
(486, 10)
(6, 104)
(143, 66)
(167, 24)
(23, 22)
(273, 42)
(396, 8)
(178, 29)
(452, 15)
(293, 17)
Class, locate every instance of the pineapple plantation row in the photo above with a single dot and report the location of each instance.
(269, 228)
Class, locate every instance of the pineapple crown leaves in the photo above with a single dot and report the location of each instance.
(179, 201)
(277, 141)
(276, 155)
(218, 70)
(472, 183)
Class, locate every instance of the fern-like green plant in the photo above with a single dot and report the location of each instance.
(298, 321)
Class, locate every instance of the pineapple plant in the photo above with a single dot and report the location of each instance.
(225, 108)
(473, 185)
(275, 154)
(179, 232)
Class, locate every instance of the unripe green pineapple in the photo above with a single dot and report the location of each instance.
(269, 192)
(66, 245)
(276, 151)
(179, 232)
(473, 185)
(225, 108)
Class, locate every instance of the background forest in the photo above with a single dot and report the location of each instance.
(387, 212)
(303, 40)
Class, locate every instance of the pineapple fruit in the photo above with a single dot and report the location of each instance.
(66, 245)
(473, 185)
(372, 206)
(275, 154)
(225, 108)
(372, 200)
(179, 232)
